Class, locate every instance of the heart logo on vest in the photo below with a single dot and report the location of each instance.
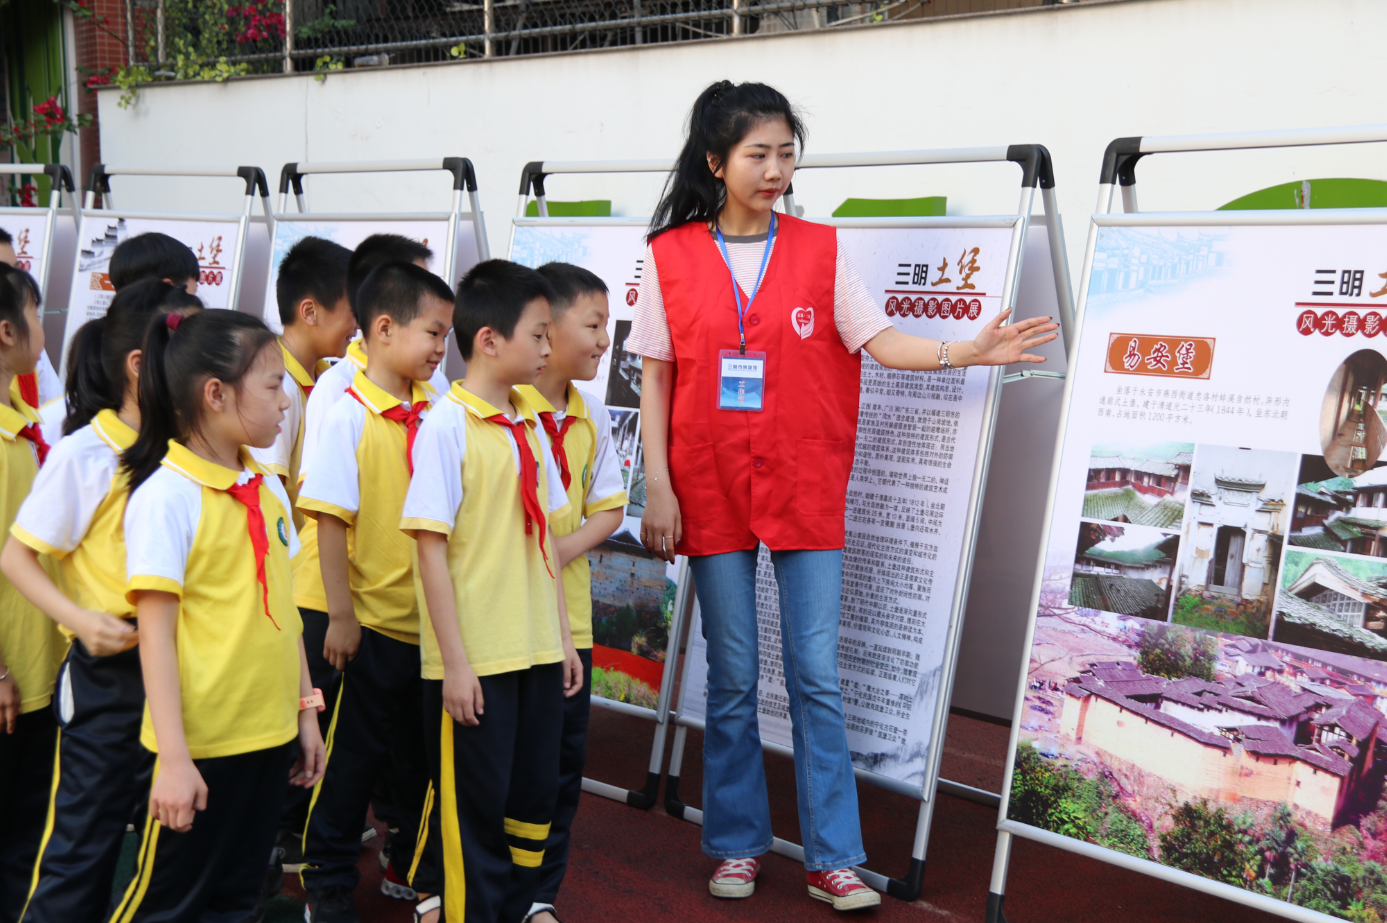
(802, 319)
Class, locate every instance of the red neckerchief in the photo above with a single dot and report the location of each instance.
(35, 435)
(529, 481)
(410, 418)
(249, 494)
(29, 388)
(556, 433)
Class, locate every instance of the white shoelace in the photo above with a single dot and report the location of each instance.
(844, 878)
(731, 867)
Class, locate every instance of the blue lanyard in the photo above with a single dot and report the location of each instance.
(736, 289)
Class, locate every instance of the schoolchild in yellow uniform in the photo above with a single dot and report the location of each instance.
(375, 250)
(580, 437)
(75, 516)
(209, 534)
(311, 293)
(368, 573)
(31, 646)
(500, 659)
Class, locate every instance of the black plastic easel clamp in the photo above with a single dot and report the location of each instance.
(908, 888)
(532, 178)
(1119, 162)
(644, 799)
(61, 176)
(99, 181)
(1036, 166)
(255, 179)
(464, 177)
(289, 175)
(674, 806)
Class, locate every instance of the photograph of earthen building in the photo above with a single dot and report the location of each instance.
(1232, 539)
(1144, 485)
(1335, 513)
(1333, 603)
(1123, 569)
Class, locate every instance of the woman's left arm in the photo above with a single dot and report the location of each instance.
(995, 345)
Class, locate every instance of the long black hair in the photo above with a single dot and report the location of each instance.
(175, 363)
(721, 117)
(96, 379)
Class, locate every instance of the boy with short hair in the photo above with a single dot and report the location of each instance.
(502, 660)
(368, 574)
(311, 293)
(580, 436)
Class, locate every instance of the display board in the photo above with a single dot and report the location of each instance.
(633, 592)
(44, 240)
(910, 502)
(430, 230)
(217, 241)
(1206, 690)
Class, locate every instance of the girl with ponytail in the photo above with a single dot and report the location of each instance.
(30, 646)
(752, 442)
(209, 534)
(74, 515)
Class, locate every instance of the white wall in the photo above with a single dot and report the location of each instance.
(1072, 78)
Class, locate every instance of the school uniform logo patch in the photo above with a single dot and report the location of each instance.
(283, 531)
(802, 319)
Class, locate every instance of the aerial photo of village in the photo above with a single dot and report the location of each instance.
(1209, 691)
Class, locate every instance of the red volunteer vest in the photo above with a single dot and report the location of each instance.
(781, 475)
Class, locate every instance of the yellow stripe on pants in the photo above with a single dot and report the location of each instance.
(331, 737)
(454, 882)
(144, 867)
(422, 840)
(48, 824)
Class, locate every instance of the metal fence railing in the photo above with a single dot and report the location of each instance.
(213, 38)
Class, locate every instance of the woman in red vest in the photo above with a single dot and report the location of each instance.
(751, 325)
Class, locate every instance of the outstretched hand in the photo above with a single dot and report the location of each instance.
(998, 345)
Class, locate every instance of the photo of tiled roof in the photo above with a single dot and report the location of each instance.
(1303, 623)
(1115, 503)
(1341, 724)
(1121, 595)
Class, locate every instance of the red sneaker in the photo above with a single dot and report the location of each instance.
(843, 889)
(734, 878)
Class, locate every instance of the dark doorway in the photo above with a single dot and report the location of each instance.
(1228, 560)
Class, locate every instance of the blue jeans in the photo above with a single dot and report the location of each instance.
(736, 814)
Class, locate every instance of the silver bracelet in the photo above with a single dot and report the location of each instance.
(654, 479)
(944, 362)
(5, 677)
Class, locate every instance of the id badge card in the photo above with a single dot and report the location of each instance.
(742, 380)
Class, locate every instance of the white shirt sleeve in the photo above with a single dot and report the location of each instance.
(435, 490)
(278, 456)
(856, 314)
(604, 481)
(330, 388)
(277, 487)
(50, 385)
(650, 328)
(69, 488)
(338, 483)
(439, 381)
(160, 523)
(51, 417)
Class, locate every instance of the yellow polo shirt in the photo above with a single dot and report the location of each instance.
(31, 646)
(595, 484)
(238, 667)
(76, 515)
(331, 387)
(467, 486)
(365, 487)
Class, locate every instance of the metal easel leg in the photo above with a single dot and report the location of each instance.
(673, 805)
(997, 890)
(909, 887)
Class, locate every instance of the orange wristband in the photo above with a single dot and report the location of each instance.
(315, 700)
